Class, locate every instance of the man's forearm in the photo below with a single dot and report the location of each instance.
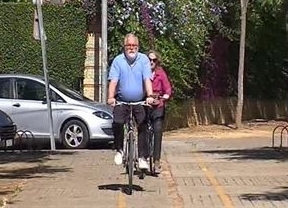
(112, 89)
(148, 86)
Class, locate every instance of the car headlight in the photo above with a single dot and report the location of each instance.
(102, 114)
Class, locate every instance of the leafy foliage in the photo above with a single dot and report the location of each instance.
(266, 51)
(65, 28)
(198, 41)
(177, 29)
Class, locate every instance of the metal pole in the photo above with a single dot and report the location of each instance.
(43, 47)
(104, 51)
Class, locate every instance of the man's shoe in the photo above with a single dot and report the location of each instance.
(118, 158)
(157, 167)
(143, 164)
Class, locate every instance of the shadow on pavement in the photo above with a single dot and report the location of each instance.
(124, 188)
(16, 164)
(26, 165)
(101, 146)
(3, 193)
(30, 156)
(44, 145)
(30, 172)
(142, 174)
(263, 153)
(267, 196)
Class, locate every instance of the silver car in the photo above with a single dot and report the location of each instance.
(76, 119)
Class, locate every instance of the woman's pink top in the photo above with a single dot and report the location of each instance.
(161, 84)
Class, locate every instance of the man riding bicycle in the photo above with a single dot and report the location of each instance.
(130, 81)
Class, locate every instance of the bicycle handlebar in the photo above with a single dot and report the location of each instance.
(144, 103)
(157, 96)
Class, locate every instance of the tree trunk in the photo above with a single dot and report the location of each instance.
(286, 19)
(239, 109)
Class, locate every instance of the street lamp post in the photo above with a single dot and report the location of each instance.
(38, 22)
(104, 51)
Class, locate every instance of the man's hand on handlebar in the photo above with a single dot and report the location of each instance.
(111, 102)
(158, 98)
(149, 100)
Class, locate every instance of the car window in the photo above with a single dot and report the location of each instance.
(5, 88)
(55, 97)
(68, 92)
(30, 90)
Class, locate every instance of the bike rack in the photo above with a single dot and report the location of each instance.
(17, 141)
(25, 134)
(282, 127)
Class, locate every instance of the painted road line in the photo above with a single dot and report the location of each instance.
(224, 197)
(121, 201)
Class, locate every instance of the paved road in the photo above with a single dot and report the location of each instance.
(228, 173)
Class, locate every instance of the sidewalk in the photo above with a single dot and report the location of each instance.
(229, 173)
(87, 178)
(198, 171)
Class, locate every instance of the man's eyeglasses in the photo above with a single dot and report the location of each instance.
(153, 60)
(131, 45)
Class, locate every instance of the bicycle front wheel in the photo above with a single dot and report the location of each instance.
(131, 160)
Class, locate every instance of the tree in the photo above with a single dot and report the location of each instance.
(239, 109)
(286, 18)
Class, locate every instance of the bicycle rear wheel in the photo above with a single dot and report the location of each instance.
(126, 152)
(130, 160)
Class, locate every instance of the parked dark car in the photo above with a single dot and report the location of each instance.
(8, 129)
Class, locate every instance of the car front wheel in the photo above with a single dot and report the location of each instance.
(75, 135)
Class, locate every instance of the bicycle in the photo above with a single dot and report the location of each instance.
(130, 155)
(151, 136)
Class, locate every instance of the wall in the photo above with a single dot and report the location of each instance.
(222, 111)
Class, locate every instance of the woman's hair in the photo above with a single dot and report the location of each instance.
(157, 56)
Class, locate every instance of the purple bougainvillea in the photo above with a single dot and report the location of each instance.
(151, 14)
(214, 70)
(146, 20)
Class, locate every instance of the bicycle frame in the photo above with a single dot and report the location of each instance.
(129, 135)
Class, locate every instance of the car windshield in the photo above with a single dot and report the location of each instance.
(68, 92)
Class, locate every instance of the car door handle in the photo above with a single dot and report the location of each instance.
(16, 105)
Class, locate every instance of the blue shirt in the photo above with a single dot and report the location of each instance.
(130, 86)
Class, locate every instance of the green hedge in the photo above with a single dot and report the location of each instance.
(65, 28)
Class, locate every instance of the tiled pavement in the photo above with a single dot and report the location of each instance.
(229, 173)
